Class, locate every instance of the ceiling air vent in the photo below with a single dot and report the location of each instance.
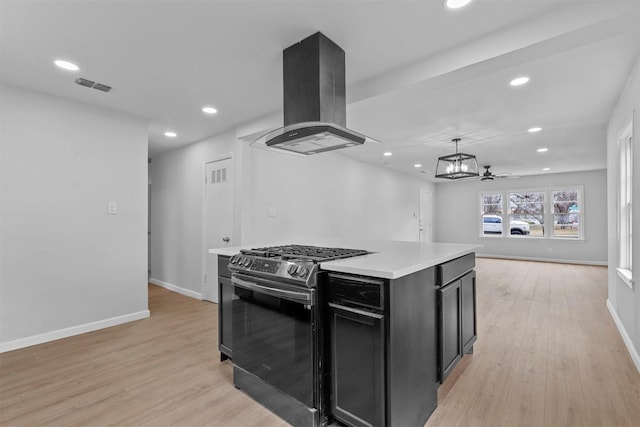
(89, 83)
(84, 82)
(102, 87)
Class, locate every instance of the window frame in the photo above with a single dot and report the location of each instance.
(545, 208)
(501, 215)
(581, 213)
(624, 206)
(548, 215)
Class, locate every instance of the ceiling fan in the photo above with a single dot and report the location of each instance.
(488, 176)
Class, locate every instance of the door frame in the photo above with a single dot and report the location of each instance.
(422, 191)
(205, 249)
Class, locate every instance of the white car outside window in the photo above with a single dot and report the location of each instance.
(492, 224)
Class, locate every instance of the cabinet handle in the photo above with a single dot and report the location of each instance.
(356, 311)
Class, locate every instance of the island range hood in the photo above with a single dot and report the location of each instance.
(314, 99)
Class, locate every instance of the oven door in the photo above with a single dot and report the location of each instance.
(273, 334)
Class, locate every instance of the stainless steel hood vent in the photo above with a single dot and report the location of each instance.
(314, 99)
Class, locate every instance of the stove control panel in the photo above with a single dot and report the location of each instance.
(299, 270)
(265, 266)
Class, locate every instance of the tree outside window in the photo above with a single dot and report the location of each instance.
(492, 214)
(527, 210)
(567, 213)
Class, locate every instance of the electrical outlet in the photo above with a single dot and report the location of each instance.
(112, 208)
(271, 211)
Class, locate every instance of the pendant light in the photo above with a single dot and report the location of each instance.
(458, 165)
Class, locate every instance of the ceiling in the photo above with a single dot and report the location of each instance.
(418, 74)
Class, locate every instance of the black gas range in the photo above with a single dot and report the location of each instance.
(277, 328)
(293, 264)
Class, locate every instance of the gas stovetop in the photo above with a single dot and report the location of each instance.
(295, 264)
(309, 253)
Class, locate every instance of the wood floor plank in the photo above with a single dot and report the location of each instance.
(548, 354)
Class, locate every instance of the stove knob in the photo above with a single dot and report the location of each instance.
(302, 271)
(247, 262)
(292, 270)
(299, 270)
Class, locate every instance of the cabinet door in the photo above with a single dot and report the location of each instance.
(450, 348)
(469, 334)
(225, 288)
(357, 366)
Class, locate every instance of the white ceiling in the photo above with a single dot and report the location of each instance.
(418, 75)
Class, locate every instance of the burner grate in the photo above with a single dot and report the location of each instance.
(313, 253)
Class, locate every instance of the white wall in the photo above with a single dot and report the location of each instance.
(624, 301)
(67, 267)
(326, 195)
(457, 218)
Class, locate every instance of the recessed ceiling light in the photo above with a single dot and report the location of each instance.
(388, 153)
(170, 134)
(542, 150)
(519, 81)
(456, 4)
(209, 110)
(535, 129)
(417, 165)
(546, 169)
(66, 65)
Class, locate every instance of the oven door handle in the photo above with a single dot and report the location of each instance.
(305, 298)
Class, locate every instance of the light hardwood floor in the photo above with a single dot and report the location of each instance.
(548, 354)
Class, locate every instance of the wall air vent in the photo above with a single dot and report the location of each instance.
(89, 83)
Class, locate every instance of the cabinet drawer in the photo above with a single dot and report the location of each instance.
(455, 268)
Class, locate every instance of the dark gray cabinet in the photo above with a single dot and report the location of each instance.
(383, 350)
(450, 299)
(469, 332)
(357, 361)
(225, 295)
(456, 311)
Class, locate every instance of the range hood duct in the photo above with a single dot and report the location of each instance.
(314, 99)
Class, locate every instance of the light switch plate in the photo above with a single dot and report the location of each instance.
(112, 208)
(271, 211)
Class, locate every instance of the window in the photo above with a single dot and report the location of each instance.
(567, 213)
(625, 205)
(491, 214)
(526, 213)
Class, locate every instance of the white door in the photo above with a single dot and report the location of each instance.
(424, 221)
(218, 219)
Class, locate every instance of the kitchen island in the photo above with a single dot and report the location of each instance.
(387, 259)
(392, 324)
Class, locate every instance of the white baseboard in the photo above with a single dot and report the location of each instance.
(175, 288)
(74, 330)
(561, 261)
(625, 337)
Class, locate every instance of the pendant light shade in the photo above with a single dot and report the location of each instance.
(458, 165)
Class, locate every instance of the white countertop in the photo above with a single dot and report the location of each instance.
(388, 260)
